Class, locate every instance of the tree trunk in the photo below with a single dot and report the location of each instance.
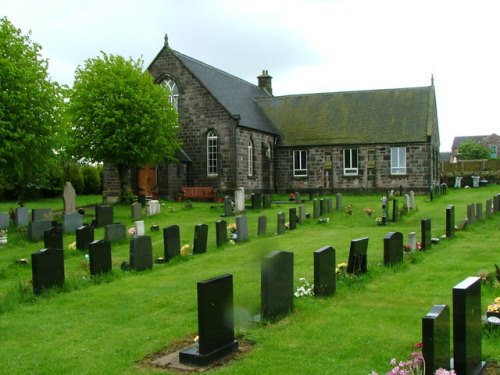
(125, 192)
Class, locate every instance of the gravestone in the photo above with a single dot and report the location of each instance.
(280, 229)
(425, 227)
(200, 238)
(53, 238)
(239, 200)
(47, 266)
(458, 182)
(99, 257)
(241, 228)
(136, 211)
(496, 203)
(36, 229)
(139, 228)
(261, 226)
(316, 209)
(220, 232)
(357, 262)
(228, 206)
(292, 223)
(479, 211)
(84, 236)
(436, 339)
(115, 232)
(256, 201)
(22, 218)
(338, 202)
(488, 210)
(141, 253)
(103, 216)
(276, 285)
(4, 220)
(329, 205)
(302, 214)
(324, 272)
(450, 221)
(407, 202)
(395, 210)
(72, 221)
(69, 198)
(412, 200)
(393, 248)
(471, 213)
(322, 206)
(267, 201)
(384, 210)
(412, 240)
(152, 207)
(41, 214)
(215, 323)
(467, 350)
(171, 242)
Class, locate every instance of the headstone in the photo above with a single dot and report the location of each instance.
(479, 211)
(139, 228)
(200, 238)
(329, 205)
(41, 214)
(72, 221)
(316, 209)
(136, 211)
(407, 201)
(467, 350)
(292, 220)
(393, 248)
(256, 201)
(241, 228)
(53, 238)
(171, 242)
(436, 339)
(412, 200)
(103, 216)
(395, 210)
(262, 225)
(220, 232)
(488, 210)
(324, 272)
(84, 236)
(36, 229)
(141, 253)
(338, 203)
(99, 257)
(215, 323)
(412, 240)
(115, 232)
(69, 198)
(276, 285)
(302, 214)
(4, 220)
(496, 203)
(239, 200)
(22, 218)
(152, 207)
(357, 262)
(267, 200)
(458, 182)
(228, 206)
(425, 227)
(450, 221)
(322, 206)
(280, 229)
(475, 181)
(47, 266)
(384, 210)
(471, 213)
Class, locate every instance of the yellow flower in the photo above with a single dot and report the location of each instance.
(497, 300)
(72, 246)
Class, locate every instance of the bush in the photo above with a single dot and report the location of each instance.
(91, 179)
(73, 174)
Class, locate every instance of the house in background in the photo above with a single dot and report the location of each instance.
(237, 134)
(491, 141)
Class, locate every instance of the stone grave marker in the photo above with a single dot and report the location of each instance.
(69, 198)
(171, 242)
(47, 266)
(200, 238)
(471, 213)
(302, 214)
(228, 206)
(103, 215)
(436, 339)
(241, 228)
(261, 225)
(256, 201)
(383, 214)
(53, 238)
(280, 229)
(357, 262)
(329, 205)
(140, 229)
(322, 206)
(395, 210)
(153, 207)
(239, 200)
(267, 201)
(393, 248)
(412, 200)
(41, 214)
(115, 232)
(479, 211)
(215, 323)
(292, 213)
(36, 229)
(72, 221)
(338, 202)
(412, 241)
(496, 203)
(99, 257)
(84, 236)
(488, 208)
(450, 221)
(136, 211)
(467, 351)
(141, 253)
(324, 272)
(425, 227)
(4, 220)
(220, 232)
(316, 208)
(22, 218)
(276, 285)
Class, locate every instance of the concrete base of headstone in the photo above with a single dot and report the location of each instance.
(191, 354)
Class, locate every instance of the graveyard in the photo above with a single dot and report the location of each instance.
(118, 312)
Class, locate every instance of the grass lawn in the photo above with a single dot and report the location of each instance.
(107, 325)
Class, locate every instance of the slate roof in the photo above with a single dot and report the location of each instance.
(356, 117)
(457, 141)
(234, 94)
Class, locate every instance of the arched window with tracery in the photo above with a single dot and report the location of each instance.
(172, 88)
(212, 149)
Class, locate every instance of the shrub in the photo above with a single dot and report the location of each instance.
(91, 179)
(73, 174)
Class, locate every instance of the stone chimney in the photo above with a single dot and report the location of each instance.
(265, 82)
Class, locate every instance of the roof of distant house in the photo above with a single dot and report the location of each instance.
(457, 141)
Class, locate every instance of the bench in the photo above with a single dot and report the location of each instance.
(198, 193)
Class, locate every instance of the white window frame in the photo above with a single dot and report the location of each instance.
(398, 160)
(172, 88)
(212, 153)
(351, 161)
(300, 163)
(250, 158)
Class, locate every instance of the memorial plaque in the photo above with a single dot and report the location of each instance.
(324, 272)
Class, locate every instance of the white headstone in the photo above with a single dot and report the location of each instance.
(239, 199)
(153, 207)
(139, 228)
(412, 240)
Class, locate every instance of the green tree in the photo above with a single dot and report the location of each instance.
(120, 116)
(471, 150)
(92, 180)
(30, 114)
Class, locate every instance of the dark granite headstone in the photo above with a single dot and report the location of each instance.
(471, 213)
(215, 323)
(36, 229)
(47, 267)
(292, 213)
(4, 220)
(84, 236)
(329, 205)
(395, 210)
(41, 214)
(357, 262)
(479, 211)
(103, 215)
(220, 232)
(496, 203)
(136, 211)
(115, 232)
(228, 206)
(425, 228)
(71, 222)
(324, 272)
(450, 221)
(316, 209)
(488, 208)
(171, 242)
(262, 226)
(280, 228)
(338, 202)
(53, 238)
(322, 206)
(241, 228)
(256, 201)
(276, 285)
(22, 218)
(302, 214)
(200, 238)
(467, 350)
(436, 339)
(393, 248)
(267, 200)
(99, 257)
(141, 253)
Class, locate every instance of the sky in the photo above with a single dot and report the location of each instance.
(307, 46)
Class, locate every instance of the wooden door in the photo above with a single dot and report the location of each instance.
(147, 181)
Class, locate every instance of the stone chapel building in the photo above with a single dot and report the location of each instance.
(237, 134)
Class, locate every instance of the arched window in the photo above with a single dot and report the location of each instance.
(212, 147)
(174, 92)
(250, 158)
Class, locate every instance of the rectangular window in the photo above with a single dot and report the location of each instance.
(300, 163)
(398, 160)
(351, 161)
(212, 145)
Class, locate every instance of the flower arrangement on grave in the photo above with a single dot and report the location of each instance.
(185, 249)
(348, 209)
(341, 268)
(3, 236)
(232, 231)
(72, 246)
(131, 231)
(379, 220)
(494, 308)
(368, 211)
(304, 289)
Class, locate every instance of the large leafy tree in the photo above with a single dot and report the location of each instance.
(30, 113)
(119, 116)
(470, 150)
